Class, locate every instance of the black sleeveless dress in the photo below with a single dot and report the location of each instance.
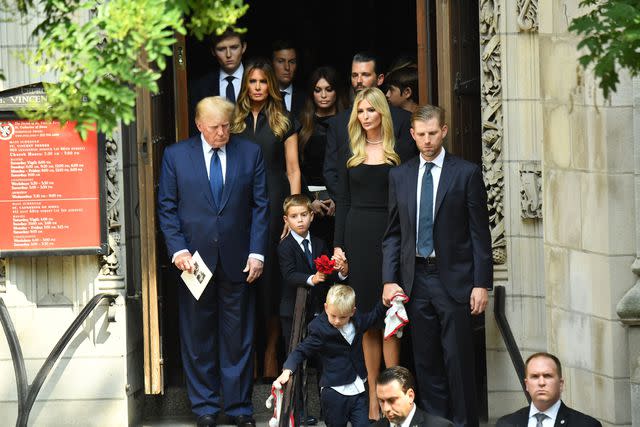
(361, 220)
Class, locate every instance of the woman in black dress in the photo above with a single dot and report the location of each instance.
(361, 219)
(260, 117)
(325, 101)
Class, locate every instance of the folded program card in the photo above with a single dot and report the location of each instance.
(199, 279)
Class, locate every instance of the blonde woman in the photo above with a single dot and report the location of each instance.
(361, 219)
(261, 118)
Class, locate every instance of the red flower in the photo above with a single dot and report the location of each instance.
(324, 264)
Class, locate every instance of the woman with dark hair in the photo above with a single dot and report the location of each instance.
(261, 118)
(325, 100)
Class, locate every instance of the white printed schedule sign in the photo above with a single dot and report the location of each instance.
(49, 187)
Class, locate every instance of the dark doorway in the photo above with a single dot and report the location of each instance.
(326, 32)
(329, 32)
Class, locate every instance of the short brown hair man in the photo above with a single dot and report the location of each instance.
(544, 382)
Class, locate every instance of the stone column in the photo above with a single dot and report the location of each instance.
(629, 306)
(589, 226)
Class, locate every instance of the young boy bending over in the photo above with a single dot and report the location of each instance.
(335, 337)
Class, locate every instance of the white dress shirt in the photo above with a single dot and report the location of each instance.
(436, 170)
(208, 153)
(288, 93)
(237, 81)
(348, 331)
(407, 421)
(551, 413)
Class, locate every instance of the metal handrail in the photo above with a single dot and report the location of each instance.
(499, 297)
(27, 393)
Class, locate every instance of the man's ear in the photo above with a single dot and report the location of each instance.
(407, 92)
(244, 47)
(380, 79)
(413, 133)
(445, 130)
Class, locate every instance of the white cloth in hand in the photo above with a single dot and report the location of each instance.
(396, 316)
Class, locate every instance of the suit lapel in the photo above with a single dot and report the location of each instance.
(562, 419)
(417, 419)
(233, 164)
(412, 178)
(446, 178)
(197, 159)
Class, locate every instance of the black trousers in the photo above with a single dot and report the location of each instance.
(443, 349)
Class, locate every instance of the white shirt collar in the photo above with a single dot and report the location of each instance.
(206, 147)
(552, 412)
(438, 161)
(237, 73)
(288, 89)
(300, 238)
(407, 421)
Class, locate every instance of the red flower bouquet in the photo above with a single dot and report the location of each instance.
(324, 265)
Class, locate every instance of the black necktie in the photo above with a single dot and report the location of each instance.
(283, 93)
(307, 252)
(231, 93)
(425, 226)
(215, 177)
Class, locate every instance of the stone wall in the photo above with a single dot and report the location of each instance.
(568, 160)
(523, 273)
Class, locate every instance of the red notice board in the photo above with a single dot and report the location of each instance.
(51, 190)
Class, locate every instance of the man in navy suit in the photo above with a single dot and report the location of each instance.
(544, 382)
(335, 337)
(226, 80)
(437, 250)
(212, 199)
(284, 59)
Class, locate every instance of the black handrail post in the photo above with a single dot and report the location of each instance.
(499, 297)
(27, 393)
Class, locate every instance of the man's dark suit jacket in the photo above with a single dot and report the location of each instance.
(296, 270)
(567, 417)
(461, 234)
(420, 419)
(338, 151)
(341, 361)
(190, 219)
(298, 98)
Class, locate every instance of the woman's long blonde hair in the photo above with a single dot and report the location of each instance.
(358, 136)
(273, 107)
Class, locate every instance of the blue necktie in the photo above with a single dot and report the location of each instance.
(231, 93)
(425, 227)
(215, 177)
(307, 252)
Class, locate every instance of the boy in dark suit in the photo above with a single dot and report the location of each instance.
(335, 337)
(296, 253)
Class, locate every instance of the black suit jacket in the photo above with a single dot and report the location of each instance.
(341, 361)
(296, 270)
(461, 233)
(567, 417)
(207, 85)
(420, 419)
(298, 98)
(338, 151)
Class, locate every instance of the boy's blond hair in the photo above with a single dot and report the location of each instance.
(342, 297)
(296, 200)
